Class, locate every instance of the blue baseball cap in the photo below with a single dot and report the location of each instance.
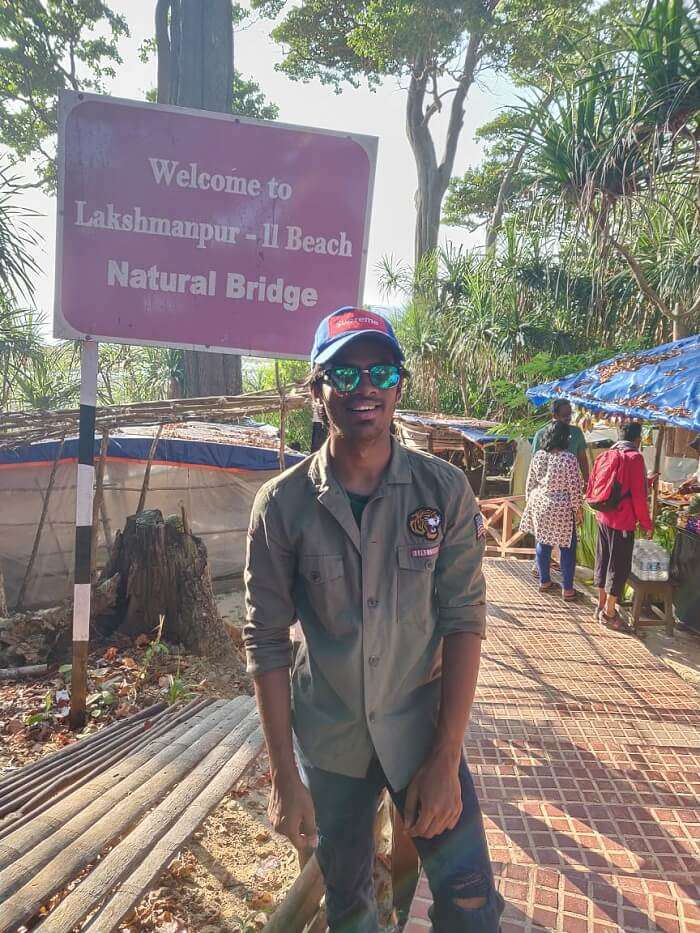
(347, 324)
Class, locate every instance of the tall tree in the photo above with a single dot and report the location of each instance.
(435, 48)
(44, 48)
(195, 69)
(619, 149)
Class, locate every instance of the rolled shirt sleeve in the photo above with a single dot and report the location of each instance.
(459, 580)
(269, 580)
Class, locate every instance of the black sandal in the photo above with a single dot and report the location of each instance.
(616, 622)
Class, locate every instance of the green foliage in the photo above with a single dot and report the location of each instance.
(45, 714)
(46, 47)
(478, 331)
(260, 377)
(249, 100)
(665, 528)
(49, 379)
(587, 537)
(17, 239)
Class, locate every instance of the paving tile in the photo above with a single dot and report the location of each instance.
(585, 753)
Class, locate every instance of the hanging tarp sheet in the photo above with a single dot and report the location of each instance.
(216, 482)
(660, 385)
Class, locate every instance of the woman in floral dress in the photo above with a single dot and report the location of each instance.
(554, 496)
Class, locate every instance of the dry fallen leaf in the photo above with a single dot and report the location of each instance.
(129, 663)
(110, 654)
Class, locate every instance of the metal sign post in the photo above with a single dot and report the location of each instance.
(83, 531)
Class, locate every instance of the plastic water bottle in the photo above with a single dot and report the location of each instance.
(650, 561)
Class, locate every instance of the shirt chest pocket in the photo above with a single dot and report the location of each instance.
(415, 586)
(325, 590)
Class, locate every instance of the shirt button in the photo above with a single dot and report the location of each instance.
(373, 661)
(372, 603)
(372, 717)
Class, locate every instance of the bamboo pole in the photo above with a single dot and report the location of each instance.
(16, 673)
(97, 501)
(283, 417)
(301, 903)
(3, 598)
(484, 473)
(147, 473)
(657, 469)
(104, 810)
(40, 527)
(139, 859)
(106, 529)
(19, 428)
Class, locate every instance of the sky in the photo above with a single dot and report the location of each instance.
(379, 113)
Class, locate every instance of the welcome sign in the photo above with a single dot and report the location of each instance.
(202, 230)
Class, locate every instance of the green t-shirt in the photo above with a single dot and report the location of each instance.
(577, 441)
(357, 504)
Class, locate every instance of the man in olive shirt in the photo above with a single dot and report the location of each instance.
(377, 551)
(561, 411)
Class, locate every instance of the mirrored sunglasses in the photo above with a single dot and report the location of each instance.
(347, 378)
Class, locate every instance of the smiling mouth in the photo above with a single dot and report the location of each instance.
(364, 407)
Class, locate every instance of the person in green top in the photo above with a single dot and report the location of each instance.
(561, 411)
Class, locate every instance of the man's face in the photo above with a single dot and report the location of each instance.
(366, 413)
(563, 414)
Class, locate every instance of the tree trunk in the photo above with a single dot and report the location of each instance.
(163, 571)
(434, 177)
(428, 209)
(195, 58)
(680, 324)
(504, 190)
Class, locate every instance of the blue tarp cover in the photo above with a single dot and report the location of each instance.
(662, 385)
(229, 456)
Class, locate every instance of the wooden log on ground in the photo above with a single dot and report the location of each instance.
(56, 860)
(39, 792)
(301, 903)
(164, 571)
(78, 811)
(143, 854)
(63, 754)
(19, 673)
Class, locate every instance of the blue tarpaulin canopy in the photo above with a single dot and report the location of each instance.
(660, 385)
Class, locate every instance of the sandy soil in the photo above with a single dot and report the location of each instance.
(236, 870)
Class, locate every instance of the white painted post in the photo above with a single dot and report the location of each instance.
(83, 531)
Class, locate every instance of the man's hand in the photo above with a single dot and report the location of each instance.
(291, 812)
(434, 797)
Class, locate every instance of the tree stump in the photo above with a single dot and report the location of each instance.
(163, 571)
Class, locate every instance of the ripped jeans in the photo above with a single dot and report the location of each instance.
(456, 862)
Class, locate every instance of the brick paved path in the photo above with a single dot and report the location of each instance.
(585, 751)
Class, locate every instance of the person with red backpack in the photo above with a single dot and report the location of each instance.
(617, 491)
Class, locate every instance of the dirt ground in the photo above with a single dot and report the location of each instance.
(235, 871)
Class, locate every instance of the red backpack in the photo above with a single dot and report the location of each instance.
(604, 492)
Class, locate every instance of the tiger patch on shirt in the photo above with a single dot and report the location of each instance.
(426, 523)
